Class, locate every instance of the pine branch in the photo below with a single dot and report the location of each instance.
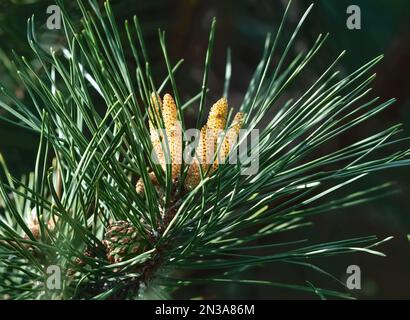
(119, 225)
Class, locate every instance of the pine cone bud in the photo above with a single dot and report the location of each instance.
(154, 111)
(139, 187)
(193, 177)
(217, 115)
(209, 145)
(169, 112)
(216, 124)
(154, 125)
(173, 134)
(231, 137)
(122, 241)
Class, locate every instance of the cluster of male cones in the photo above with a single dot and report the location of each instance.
(216, 140)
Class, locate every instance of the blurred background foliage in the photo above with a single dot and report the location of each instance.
(242, 26)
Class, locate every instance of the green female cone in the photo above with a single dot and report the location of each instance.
(122, 241)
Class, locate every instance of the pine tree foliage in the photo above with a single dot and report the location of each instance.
(80, 209)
